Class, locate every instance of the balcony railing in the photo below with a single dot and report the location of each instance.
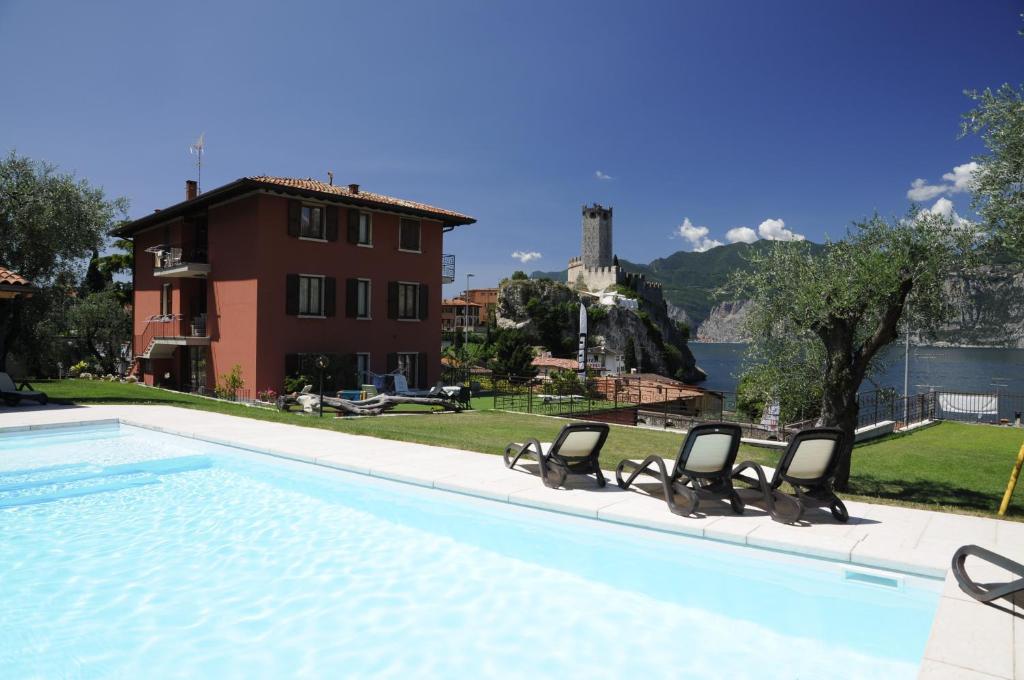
(447, 268)
(171, 330)
(172, 261)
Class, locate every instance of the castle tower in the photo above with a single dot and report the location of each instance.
(597, 236)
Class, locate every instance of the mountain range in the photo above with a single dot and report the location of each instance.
(988, 308)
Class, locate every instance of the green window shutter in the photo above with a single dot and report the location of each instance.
(291, 296)
(330, 295)
(353, 225)
(424, 300)
(393, 300)
(294, 217)
(332, 223)
(351, 298)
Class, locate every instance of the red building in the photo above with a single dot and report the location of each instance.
(267, 273)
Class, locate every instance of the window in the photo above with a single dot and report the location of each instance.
(408, 364)
(362, 298)
(311, 295)
(311, 222)
(363, 374)
(365, 233)
(409, 235)
(408, 300)
(165, 299)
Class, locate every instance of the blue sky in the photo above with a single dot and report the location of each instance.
(710, 114)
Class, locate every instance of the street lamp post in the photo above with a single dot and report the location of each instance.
(465, 319)
(321, 363)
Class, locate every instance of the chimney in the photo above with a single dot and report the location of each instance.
(353, 188)
(191, 189)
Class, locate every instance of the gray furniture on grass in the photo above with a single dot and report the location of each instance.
(702, 469)
(13, 395)
(986, 592)
(808, 467)
(574, 451)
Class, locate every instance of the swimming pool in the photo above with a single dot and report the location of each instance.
(126, 552)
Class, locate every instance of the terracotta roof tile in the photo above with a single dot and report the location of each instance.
(554, 362)
(341, 190)
(10, 278)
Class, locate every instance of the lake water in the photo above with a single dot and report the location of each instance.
(961, 369)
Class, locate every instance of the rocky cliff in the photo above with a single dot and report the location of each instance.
(548, 312)
(725, 323)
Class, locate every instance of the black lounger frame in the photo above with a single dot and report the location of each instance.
(986, 592)
(683, 489)
(810, 493)
(555, 467)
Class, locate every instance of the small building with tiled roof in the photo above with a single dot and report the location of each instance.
(268, 273)
(14, 285)
(458, 314)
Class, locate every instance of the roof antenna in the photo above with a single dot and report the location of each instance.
(330, 178)
(197, 151)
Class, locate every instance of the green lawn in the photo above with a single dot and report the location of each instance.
(949, 466)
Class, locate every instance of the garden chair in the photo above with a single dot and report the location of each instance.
(702, 469)
(574, 451)
(808, 466)
(13, 395)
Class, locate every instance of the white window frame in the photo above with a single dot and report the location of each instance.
(369, 230)
(323, 222)
(411, 379)
(416, 313)
(366, 378)
(369, 300)
(419, 225)
(306, 315)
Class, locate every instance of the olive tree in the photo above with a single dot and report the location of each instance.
(49, 222)
(998, 182)
(819, 321)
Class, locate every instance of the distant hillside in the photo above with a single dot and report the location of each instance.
(689, 279)
(989, 311)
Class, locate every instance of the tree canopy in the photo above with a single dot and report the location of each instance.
(818, 321)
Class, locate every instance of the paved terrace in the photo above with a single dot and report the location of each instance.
(968, 640)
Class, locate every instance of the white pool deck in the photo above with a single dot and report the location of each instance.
(968, 641)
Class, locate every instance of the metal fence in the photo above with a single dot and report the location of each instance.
(668, 405)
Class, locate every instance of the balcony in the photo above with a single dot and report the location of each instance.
(447, 268)
(164, 333)
(177, 263)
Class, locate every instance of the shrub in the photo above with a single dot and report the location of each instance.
(131, 379)
(230, 383)
(76, 370)
(267, 395)
(85, 376)
(295, 383)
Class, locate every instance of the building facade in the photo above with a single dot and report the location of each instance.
(487, 298)
(460, 314)
(267, 273)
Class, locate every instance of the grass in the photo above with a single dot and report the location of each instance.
(950, 466)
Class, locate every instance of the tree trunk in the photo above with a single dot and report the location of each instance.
(376, 405)
(839, 408)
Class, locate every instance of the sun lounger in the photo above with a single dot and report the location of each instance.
(986, 592)
(702, 469)
(12, 395)
(808, 466)
(574, 451)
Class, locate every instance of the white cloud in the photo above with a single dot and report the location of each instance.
(943, 207)
(956, 181)
(920, 190)
(744, 234)
(961, 177)
(526, 256)
(697, 236)
(602, 176)
(775, 230)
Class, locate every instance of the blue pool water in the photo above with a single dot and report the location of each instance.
(128, 553)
